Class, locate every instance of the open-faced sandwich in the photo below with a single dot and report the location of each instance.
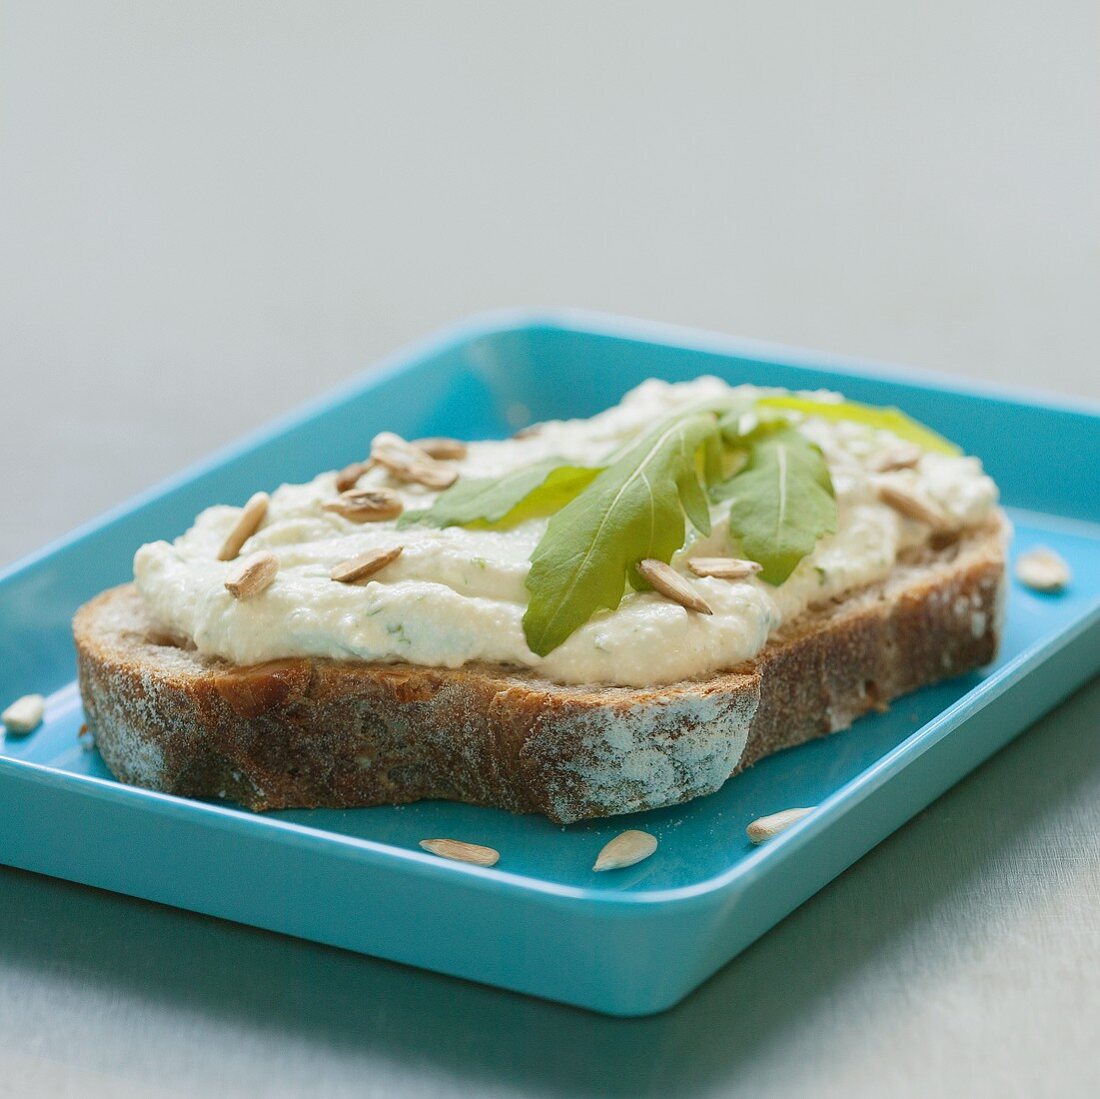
(594, 617)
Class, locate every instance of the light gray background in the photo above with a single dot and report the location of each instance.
(211, 211)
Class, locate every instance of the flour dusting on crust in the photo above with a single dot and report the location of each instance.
(653, 754)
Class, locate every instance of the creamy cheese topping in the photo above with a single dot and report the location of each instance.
(456, 596)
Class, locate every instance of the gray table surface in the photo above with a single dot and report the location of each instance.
(210, 212)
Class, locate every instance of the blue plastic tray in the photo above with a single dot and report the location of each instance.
(629, 942)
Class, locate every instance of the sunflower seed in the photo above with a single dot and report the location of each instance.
(724, 568)
(248, 522)
(908, 503)
(905, 456)
(366, 505)
(359, 568)
(440, 447)
(1043, 570)
(462, 852)
(409, 463)
(431, 476)
(349, 476)
(625, 849)
(254, 575)
(389, 448)
(24, 715)
(672, 585)
(764, 828)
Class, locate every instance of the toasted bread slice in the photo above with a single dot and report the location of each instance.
(318, 732)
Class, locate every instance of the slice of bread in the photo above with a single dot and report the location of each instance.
(316, 732)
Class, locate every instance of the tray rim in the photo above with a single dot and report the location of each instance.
(500, 880)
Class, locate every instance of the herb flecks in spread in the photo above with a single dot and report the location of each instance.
(754, 467)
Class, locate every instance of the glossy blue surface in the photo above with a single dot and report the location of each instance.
(628, 942)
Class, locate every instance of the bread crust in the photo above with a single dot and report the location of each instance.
(306, 732)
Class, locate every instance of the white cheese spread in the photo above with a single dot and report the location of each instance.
(456, 596)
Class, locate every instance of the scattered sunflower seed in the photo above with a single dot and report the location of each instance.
(1043, 570)
(764, 828)
(433, 476)
(24, 715)
(255, 574)
(359, 568)
(666, 580)
(409, 463)
(462, 852)
(366, 505)
(350, 474)
(440, 447)
(909, 504)
(625, 849)
(905, 456)
(252, 515)
(724, 568)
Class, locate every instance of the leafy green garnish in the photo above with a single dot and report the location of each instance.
(604, 521)
(886, 419)
(634, 509)
(781, 501)
(492, 503)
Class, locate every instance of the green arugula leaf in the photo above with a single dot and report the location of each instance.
(782, 500)
(634, 509)
(496, 502)
(887, 419)
(729, 417)
(604, 521)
